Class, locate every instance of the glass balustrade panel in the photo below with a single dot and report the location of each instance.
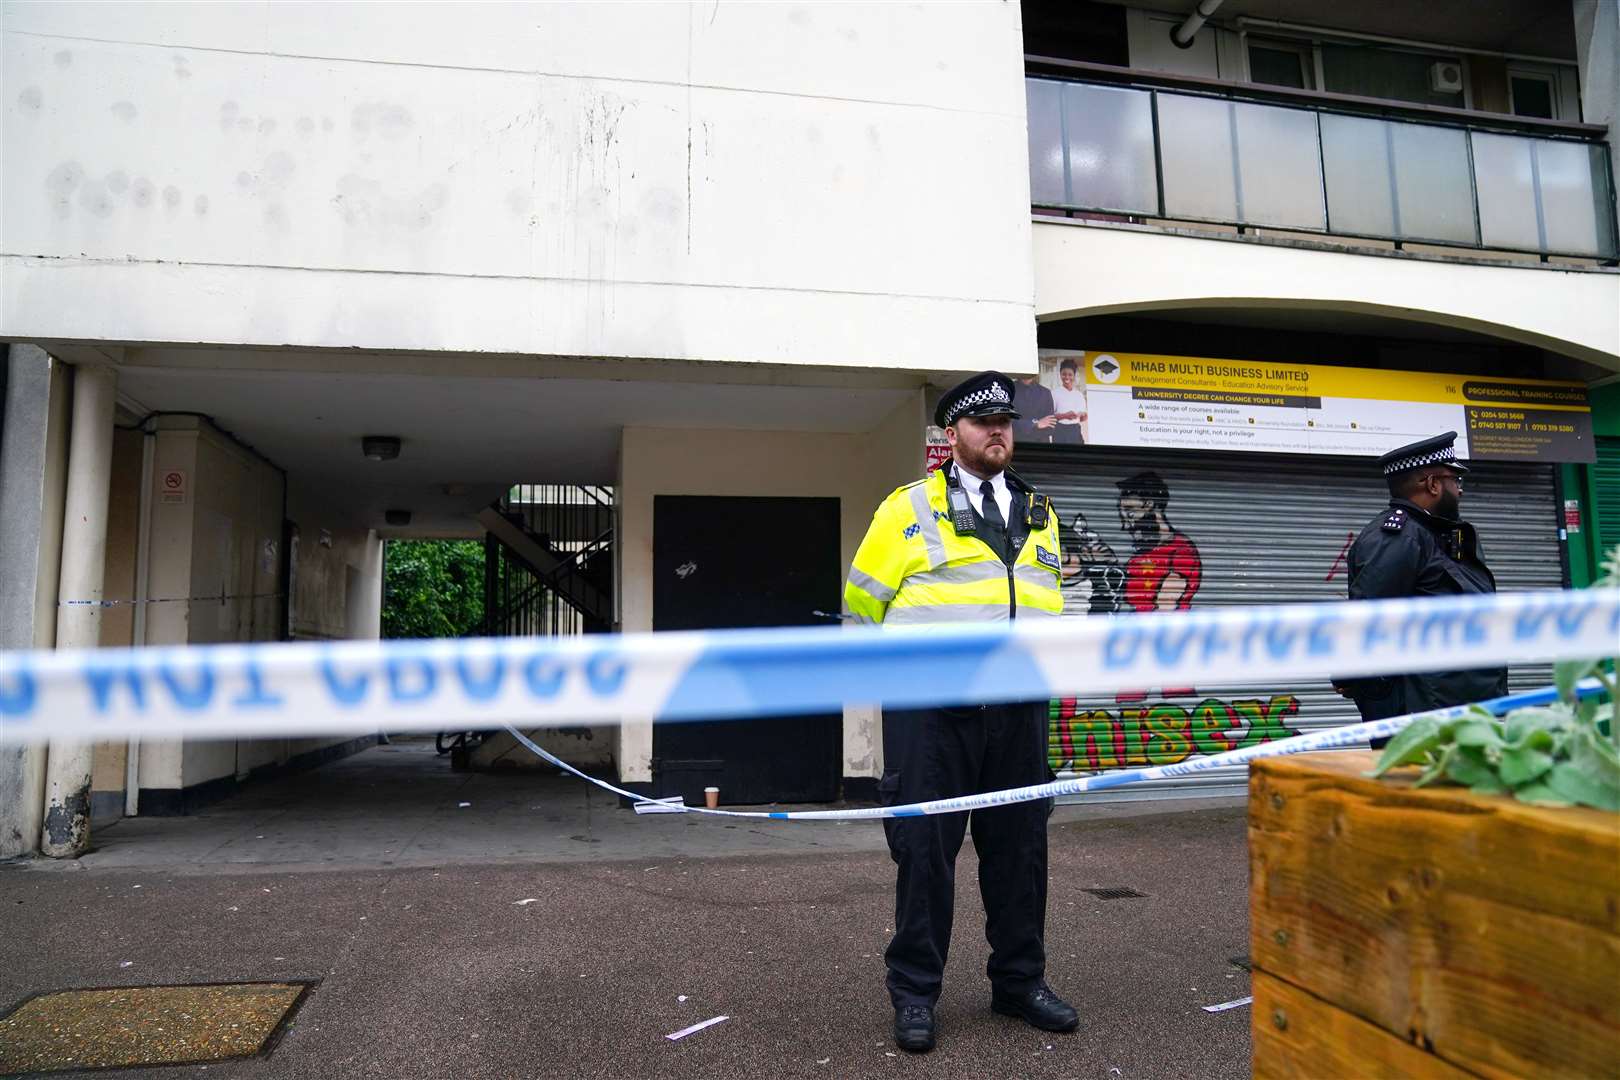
(1195, 149)
(1356, 167)
(1280, 167)
(1432, 185)
(1044, 102)
(1110, 144)
(1505, 177)
(1575, 204)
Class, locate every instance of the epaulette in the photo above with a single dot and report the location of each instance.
(1393, 521)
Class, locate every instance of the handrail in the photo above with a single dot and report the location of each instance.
(551, 601)
(1262, 93)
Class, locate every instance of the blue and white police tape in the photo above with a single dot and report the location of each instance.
(1349, 735)
(339, 688)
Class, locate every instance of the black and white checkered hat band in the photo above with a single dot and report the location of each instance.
(994, 394)
(1443, 456)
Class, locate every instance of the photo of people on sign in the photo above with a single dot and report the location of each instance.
(1052, 402)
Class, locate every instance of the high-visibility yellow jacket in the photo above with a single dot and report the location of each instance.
(914, 568)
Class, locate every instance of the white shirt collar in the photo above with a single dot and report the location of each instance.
(998, 487)
(971, 481)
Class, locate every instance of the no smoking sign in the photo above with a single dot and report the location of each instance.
(172, 486)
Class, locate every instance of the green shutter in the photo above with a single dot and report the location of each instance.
(1606, 489)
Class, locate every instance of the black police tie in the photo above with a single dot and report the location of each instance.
(992, 510)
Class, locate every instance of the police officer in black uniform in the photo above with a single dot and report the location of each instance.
(1420, 547)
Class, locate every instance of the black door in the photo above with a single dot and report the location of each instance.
(746, 562)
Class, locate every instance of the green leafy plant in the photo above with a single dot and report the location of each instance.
(432, 588)
(1553, 755)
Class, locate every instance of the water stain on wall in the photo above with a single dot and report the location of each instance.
(390, 122)
(124, 110)
(60, 183)
(142, 192)
(364, 203)
(278, 168)
(93, 197)
(31, 98)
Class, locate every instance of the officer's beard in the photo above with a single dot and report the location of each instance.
(1448, 506)
(977, 461)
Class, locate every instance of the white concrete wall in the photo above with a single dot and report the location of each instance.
(858, 470)
(810, 183)
(1083, 269)
(328, 557)
(235, 502)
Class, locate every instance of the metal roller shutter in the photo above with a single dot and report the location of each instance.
(1606, 488)
(1258, 529)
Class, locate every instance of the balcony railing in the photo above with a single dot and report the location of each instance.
(1222, 156)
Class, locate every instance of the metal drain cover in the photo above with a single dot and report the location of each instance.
(125, 1027)
(1116, 894)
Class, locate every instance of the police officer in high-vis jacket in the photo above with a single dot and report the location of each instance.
(970, 543)
(1420, 547)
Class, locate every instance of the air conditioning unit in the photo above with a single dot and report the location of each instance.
(1445, 77)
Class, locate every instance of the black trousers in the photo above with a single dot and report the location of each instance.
(935, 754)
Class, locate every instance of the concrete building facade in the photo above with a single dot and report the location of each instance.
(704, 256)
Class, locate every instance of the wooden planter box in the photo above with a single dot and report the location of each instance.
(1428, 932)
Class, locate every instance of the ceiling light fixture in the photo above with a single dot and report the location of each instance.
(379, 447)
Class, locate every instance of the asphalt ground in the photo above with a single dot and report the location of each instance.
(445, 971)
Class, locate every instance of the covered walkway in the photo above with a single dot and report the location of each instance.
(401, 804)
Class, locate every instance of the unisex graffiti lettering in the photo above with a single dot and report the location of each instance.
(1163, 733)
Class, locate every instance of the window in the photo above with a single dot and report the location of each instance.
(1533, 93)
(1282, 63)
(1393, 74)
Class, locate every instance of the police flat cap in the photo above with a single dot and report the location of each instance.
(989, 393)
(1436, 450)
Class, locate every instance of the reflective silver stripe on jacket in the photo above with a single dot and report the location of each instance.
(1039, 576)
(945, 613)
(965, 574)
(932, 541)
(874, 588)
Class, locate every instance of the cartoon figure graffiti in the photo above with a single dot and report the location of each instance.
(1163, 573)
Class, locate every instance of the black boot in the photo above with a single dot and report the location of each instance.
(1038, 1007)
(914, 1028)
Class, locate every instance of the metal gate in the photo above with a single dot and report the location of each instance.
(1186, 530)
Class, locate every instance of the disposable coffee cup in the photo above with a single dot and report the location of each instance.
(711, 797)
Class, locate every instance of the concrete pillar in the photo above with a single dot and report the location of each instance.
(33, 384)
(363, 607)
(66, 831)
(1597, 49)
